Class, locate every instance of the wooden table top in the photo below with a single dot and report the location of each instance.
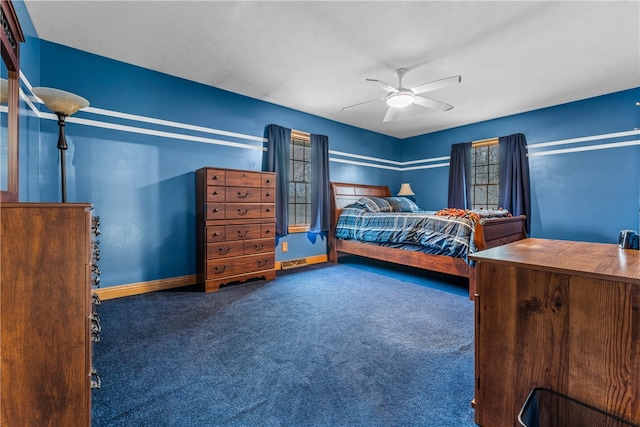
(600, 260)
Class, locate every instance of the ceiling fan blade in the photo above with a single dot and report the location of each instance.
(389, 116)
(436, 84)
(383, 85)
(432, 103)
(362, 103)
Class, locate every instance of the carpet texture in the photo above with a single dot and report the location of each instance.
(325, 345)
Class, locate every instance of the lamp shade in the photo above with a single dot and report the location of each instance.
(60, 101)
(4, 91)
(400, 99)
(405, 190)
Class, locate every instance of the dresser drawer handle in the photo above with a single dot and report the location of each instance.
(216, 177)
(259, 247)
(215, 193)
(268, 181)
(267, 231)
(268, 194)
(215, 210)
(218, 269)
(95, 299)
(243, 196)
(95, 383)
(263, 262)
(268, 210)
(215, 234)
(243, 233)
(223, 251)
(95, 269)
(242, 212)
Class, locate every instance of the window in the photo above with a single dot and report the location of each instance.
(300, 182)
(484, 166)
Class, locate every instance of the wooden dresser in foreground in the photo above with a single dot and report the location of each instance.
(557, 314)
(48, 319)
(235, 226)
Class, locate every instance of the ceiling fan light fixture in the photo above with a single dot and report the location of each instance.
(400, 99)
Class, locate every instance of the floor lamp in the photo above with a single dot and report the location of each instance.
(63, 104)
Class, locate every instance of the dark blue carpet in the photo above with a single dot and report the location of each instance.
(350, 344)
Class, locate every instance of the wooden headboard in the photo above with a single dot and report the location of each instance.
(343, 194)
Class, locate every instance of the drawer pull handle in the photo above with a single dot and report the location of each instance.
(243, 196)
(243, 233)
(215, 234)
(95, 383)
(95, 299)
(95, 269)
(223, 251)
(215, 193)
(258, 247)
(262, 262)
(268, 181)
(220, 269)
(243, 212)
(268, 194)
(268, 210)
(216, 177)
(215, 210)
(95, 323)
(95, 223)
(267, 231)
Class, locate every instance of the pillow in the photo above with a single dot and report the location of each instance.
(402, 204)
(375, 204)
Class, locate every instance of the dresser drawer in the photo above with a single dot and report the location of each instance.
(243, 210)
(215, 211)
(225, 249)
(243, 179)
(242, 231)
(216, 177)
(268, 195)
(268, 230)
(215, 194)
(268, 211)
(259, 246)
(216, 234)
(240, 265)
(268, 180)
(243, 194)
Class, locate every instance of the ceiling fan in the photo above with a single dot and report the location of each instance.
(400, 97)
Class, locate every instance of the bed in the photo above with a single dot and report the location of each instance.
(486, 233)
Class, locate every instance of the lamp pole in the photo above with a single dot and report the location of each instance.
(62, 146)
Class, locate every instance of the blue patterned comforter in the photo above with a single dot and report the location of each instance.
(440, 235)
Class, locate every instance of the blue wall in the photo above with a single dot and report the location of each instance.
(585, 183)
(133, 153)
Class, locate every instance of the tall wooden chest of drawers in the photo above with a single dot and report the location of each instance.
(47, 317)
(235, 226)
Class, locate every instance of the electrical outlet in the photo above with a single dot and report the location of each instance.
(285, 246)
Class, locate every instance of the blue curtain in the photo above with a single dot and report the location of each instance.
(513, 172)
(278, 155)
(460, 176)
(320, 183)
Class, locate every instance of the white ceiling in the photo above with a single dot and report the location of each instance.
(514, 56)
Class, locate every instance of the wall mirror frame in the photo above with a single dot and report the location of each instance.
(11, 36)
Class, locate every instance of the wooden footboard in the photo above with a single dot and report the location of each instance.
(488, 233)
